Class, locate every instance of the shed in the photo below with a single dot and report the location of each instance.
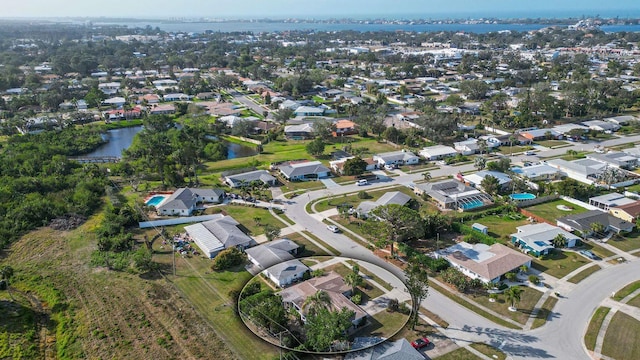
(479, 227)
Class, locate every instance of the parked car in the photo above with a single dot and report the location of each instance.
(333, 228)
(589, 254)
(420, 343)
(362, 182)
(389, 167)
(529, 153)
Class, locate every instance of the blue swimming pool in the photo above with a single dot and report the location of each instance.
(522, 196)
(471, 205)
(517, 170)
(156, 200)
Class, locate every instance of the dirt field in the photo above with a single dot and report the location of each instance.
(93, 313)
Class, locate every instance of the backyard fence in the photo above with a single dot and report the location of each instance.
(536, 201)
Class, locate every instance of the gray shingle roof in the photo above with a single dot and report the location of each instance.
(272, 253)
(305, 168)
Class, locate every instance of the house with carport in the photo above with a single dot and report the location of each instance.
(401, 157)
(308, 170)
(437, 152)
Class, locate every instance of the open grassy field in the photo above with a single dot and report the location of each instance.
(550, 212)
(591, 335)
(622, 340)
(84, 312)
(560, 263)
(544, 312)
(528, 300)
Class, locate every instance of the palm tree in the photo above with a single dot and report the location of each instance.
(318, 300)
(354, 279)
(482, 146)
(513, 296)
(524, 269)
(426, 176)
(597, 228)
(480, 162)
(559, 241)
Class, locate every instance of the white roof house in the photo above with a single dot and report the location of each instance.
(537, 238)
(476, 178)
(583, 170)
(539, 172)
(115, 101)
(309, 111)
(437, 152)
(600, 125)
(287, 272)
(607, 201)
(401, 157)
(215, 235)
(617, 159)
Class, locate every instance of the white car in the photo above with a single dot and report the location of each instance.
(333, 228)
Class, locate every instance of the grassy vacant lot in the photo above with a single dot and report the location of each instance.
(459, 354)
(528, 300)
(489, 350)
(544, 312)
(560, 263)
(622, 340)
(247, 216)
(208, 291)
(584, 274)
(501, 226)
(626, 242)
(591, 335)
(550, 211)
(352, 200)
(94, 312)
(626, 291)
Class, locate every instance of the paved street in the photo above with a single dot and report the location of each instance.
(560, 338)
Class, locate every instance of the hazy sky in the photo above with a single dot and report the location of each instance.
(316, 8)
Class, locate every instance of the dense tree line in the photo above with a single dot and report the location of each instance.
(39, 182)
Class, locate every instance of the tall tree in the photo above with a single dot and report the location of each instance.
(316, 147)
(417, 283)
(354, 166)
(480, 162)
(513, 295)
(398, 223)
(354, 279)
(490, 185)
(559, 241)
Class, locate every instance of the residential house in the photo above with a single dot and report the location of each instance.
(177, 97)
(272, 253)
(165, 84)
(82, 105)
(627, 212)
(541, 134)
(607, 201)
(162, 109)
(582, 222)
(183, 201)
(345, 127)
(437, 152)
(467, 147)
(621, 120)
(616, 159)
(401, 157)
(600, 125)
(393, 197)
(475, 179)
(308, 170)
(565, 129)
(122, 114)
(537, 239)
(218, 234)
(337, 166)
(115, 102)
(540, 172)
(149, 98)
(287, 272)
(289, 104)
(483, 262)
(242, 179)
(454, 195)
(309, 111)
(583, 170)
(333, 284)
(299, 132)
(385, 350)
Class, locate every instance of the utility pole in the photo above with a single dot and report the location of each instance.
(173, 255)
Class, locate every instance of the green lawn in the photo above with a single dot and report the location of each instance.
(551, 143)
(247, 216)
(598, 250)
(310, 249)
(591, 335)
(626, 242)
(502, 226)
(352, 200)
(622, 340)
(634, 302)
(489, 350)
(459, 354)
(372, 276)
(508, 150)
(528, 300)
(324, 244)
(550, 211)
(560, 263)
(544, 312)
(627, 290)
(385, 324)
(584, 274)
